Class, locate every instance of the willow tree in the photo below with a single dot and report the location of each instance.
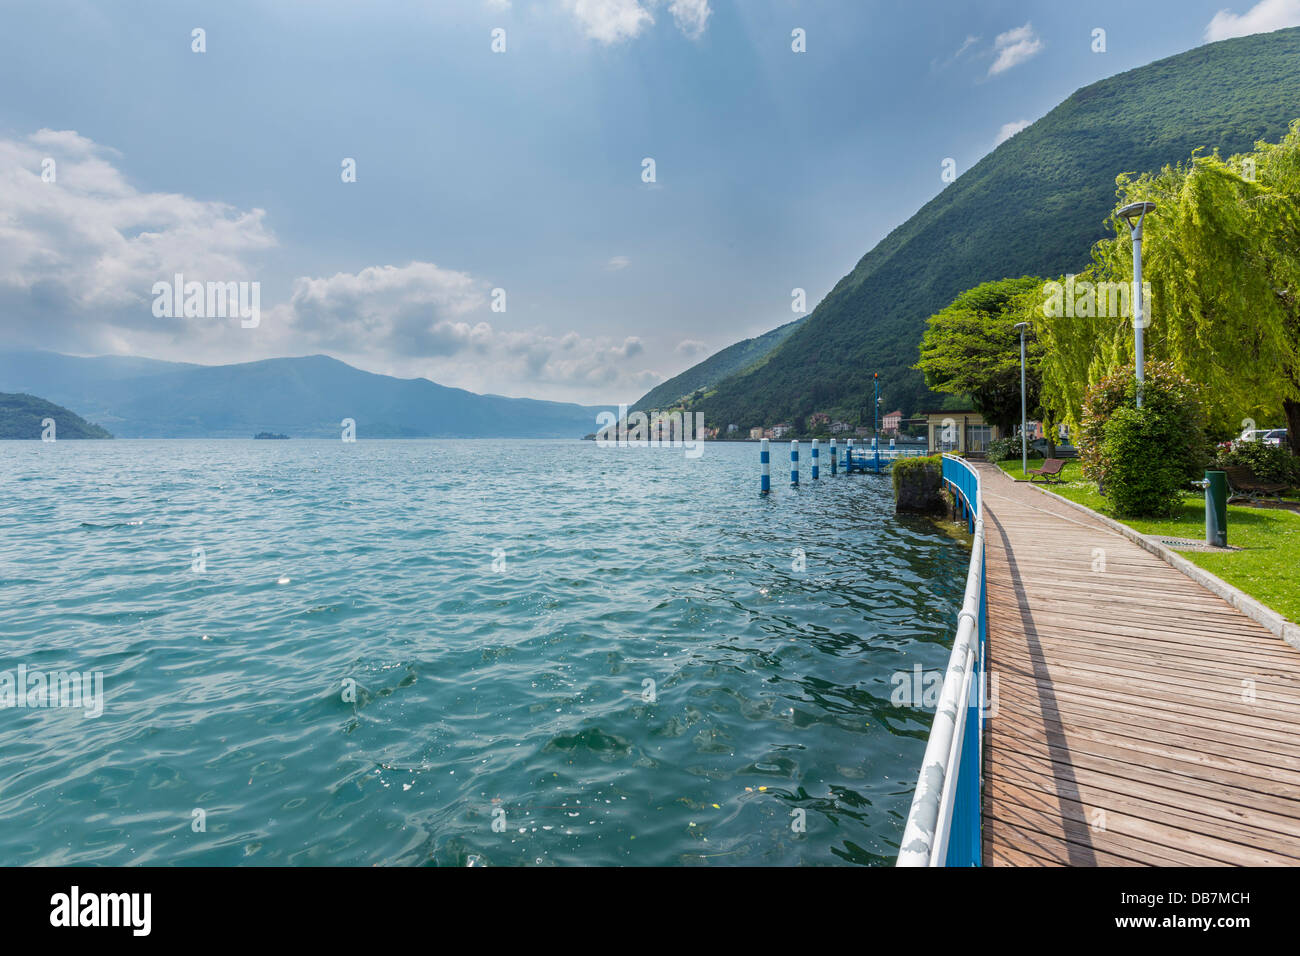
(1221, 255)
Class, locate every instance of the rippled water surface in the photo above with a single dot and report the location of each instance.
(503, 608)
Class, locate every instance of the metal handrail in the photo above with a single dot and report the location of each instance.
(946, 803)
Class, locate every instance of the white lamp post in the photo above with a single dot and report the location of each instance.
(1133, 214)
(1024, 427)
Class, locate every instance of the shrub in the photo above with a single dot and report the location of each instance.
(1268, 462)
(1141, 482)
(1004, 449)
(1168, 396)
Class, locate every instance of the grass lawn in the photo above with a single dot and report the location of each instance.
(1269, 567)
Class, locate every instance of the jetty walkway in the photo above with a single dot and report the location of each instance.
(1135, 717)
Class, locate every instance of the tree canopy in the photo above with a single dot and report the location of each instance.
(1221, 255)
(971, 347)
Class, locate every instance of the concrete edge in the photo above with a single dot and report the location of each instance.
(1289, 631)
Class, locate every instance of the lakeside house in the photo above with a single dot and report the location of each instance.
(756, 433)
(780, 431)
(962, 431)
(818, 418)
(891, 422)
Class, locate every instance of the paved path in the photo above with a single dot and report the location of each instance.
(1140, 718)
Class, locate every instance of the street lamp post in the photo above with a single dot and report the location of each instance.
(1133, 214)
(1024, 427)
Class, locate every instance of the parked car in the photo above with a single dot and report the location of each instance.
(1275, 436)
(1038, 447)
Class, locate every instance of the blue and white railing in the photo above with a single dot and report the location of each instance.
(943, 826)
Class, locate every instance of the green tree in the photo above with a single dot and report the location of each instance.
(972, 348)
(1221, 254)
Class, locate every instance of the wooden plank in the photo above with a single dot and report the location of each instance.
(1121, 692)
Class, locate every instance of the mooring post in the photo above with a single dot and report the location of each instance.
(794, 463)
(848, 457)
(892, 450)
(764, 456)
(816, 465)
(834, 463)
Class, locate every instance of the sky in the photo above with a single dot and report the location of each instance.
(559, 199)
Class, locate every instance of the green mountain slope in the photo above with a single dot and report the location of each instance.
(715, 368)
(21, 416)
(1033, 206)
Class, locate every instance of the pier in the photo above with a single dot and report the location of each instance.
(1132, 717)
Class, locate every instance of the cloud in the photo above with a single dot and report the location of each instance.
(1014, 47)
(406, 310)
(617, 263)
(691, 16)
(80, 254)
(1264, 17)
(610, 21)
(79, 257)
(423, 320)
(613, 21)
(1008, 130)
(691, 347)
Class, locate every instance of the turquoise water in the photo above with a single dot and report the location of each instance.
(501, 607)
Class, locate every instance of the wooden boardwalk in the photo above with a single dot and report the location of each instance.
(1140, 719)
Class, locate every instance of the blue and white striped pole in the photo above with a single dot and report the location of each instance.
(794, 463)
(765, 456)
(816, 465)
(892, 450)
(834, 463)
(848, 457)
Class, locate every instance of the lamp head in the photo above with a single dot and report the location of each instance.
(1134, 213)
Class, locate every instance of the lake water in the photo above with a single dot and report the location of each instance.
(561, 654)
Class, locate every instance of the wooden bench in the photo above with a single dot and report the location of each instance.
(1243, 484)
(1050, 472)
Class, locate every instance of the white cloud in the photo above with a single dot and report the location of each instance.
(409, 310)
(610, 21)
(1264, 17)
(1008, 130)
(80, 254)
(79, 257)
(691, 16)
(618, 262)
(691, 347)
(1014, 47)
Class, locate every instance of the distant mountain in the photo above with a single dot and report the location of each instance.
(299, 397)
(25, 416)
(719, 365)
(1033, 206)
